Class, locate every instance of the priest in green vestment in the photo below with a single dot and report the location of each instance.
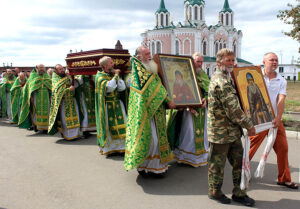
(35, 104)
(5, 86)
(16, 96)
(110, 110)
(86, 102)
(64, 111)
(147, 146)
(187, 128)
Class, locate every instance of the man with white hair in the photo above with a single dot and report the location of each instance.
(225, 121)
(64, 111)
(50, 71)
(16, 96)
(147, 146)
(5, 87)
(110, 110)
(36, 100)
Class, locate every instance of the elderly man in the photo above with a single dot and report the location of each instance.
(64, 112)
(147, 147)
(36, 100)
(5, 87)
(276, 86)
(16, 96)
(192, 145)
(110, 111)
(225, 120)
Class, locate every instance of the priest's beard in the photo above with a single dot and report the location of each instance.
(227, 69)
(41, 72)
(151, 66)
(62, 75)
(10, 76)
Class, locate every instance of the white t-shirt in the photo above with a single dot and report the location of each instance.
(275, 86)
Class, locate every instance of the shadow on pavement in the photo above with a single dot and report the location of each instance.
(91, 140)
(186, 180)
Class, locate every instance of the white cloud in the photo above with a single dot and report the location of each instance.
(45, 30)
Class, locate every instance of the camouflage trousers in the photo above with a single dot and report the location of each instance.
(216, 163)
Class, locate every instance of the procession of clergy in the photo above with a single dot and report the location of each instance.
(136, 115)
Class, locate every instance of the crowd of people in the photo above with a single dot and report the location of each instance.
(136, 116)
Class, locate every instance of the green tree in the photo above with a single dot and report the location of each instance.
(291, 16)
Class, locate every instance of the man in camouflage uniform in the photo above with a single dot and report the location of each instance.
(225, 121)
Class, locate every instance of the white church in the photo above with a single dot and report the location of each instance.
(194, 35)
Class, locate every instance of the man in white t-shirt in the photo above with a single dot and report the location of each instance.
(276, 86)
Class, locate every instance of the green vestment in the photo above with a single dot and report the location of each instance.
(146, 98)
(16, 98)
(40, 86)
(61, 92)
(114, 114)
(5, 87)
(87, 89)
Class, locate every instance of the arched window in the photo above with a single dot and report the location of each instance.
(216, 48)
(167, 20)
(187, 47)
(177, 47)
(227, 19)
(153, 48)
(220, 46)
(162, 20)
(201, 13)
(204, 48)
(156, 20)
(224, 45)
(158, 47)
(234, 48)
(196, 13)
(186, 13)
(231, 19)
(222, 19)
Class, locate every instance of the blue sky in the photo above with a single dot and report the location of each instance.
(44, 31)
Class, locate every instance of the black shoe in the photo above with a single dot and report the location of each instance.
(30, 129)
(35, 129)
(86, 134)
(245, 200)
(143, 174)
(222, 199)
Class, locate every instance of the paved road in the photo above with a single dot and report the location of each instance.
(45, 172)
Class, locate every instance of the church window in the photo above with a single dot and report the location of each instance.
(153, 49)
(162, 20)
(190, 13)
(220, 46)
(204, 48)
(158, 47)
(227, 19)
(222, 21)
(231, 19)
(234, 48)
(167, 20)
(201, 13)
(156, 20)
(224, 45)
(177, 47)
(187, 47)
(196, 13)
(216, 48)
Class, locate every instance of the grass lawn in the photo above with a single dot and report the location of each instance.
(292, 102)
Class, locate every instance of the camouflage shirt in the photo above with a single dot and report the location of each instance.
(225, 116)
